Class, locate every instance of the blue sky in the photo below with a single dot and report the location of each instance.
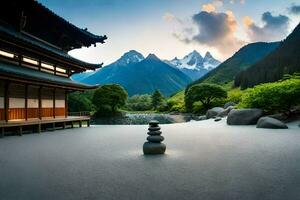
(172, 28)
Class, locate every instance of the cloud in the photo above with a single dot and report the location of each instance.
(294, 9)
(208, 8)
(213, 29)
(274, 28)
(169, 17)
(234, 1)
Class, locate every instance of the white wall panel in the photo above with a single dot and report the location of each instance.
(47, 103)
(16, 103)
(33, 103)
(1, 102)
(59, 103)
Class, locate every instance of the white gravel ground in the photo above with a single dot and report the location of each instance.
(204, 160)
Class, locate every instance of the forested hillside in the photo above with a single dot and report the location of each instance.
(284, 60)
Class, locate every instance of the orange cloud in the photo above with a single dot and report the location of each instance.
(248, 21)
(208, 8)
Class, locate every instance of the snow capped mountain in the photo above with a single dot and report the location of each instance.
(194, 65)
(138, 75)
(129, 57)
(209, 62)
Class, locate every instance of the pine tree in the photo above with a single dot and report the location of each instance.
(157, 99)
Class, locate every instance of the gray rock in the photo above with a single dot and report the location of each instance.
(153, 123)
(244, 116)
(225, 112)
(154, 148)
(203, 117)
(269, 122)
(155, 138)
(229, 104)
(154, 128)
(218, 119)
(154, 133)
(213, 112)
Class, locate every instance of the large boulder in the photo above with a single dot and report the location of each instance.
(225, 112)
(244, 116)
(269, 122)
(229, 104)
(213, 112)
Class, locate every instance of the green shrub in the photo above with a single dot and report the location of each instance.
(234, 95)
(139, 103)
(79, 102)
(273, 97)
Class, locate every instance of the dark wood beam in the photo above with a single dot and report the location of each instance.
(40, 102)
(6, 101)
(26, 102)
(66, 103)
(54, 97)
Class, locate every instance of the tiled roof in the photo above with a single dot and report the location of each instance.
(32, 41)
(26, 73)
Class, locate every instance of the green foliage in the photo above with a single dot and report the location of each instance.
(139, 103)
(273, 97)
(234, 95)
(78, 101)
(108, 98)
(157, 99)
(176, 102)
(205, 93)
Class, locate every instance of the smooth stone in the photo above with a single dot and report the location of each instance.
(225, 112)
(154, 133)
(154, 148)
(153, 123)
(154, 128)
(203, 117)
(229, 104)
(244, 116)
(218, 119)
(269, 122)
(155, 138)
(211, 113)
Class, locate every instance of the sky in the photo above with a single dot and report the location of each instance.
(174, 28)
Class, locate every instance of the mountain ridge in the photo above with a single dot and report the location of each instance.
(139, 76)
(283, 60)
(242, 59)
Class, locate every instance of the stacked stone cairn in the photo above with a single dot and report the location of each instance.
(154, 145)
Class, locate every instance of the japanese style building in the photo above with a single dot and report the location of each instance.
(35, 67)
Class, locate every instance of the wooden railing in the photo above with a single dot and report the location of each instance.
(81, 113)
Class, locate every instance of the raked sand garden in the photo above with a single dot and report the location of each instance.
(203, 160)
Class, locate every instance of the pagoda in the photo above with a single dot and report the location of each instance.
(35, 66)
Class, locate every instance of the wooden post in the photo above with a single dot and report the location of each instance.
(39, 128)
(54, 97)
(40, 102)
(66, 103)
(20, 130)
(26, 102)
(6, 101)
(2, 132)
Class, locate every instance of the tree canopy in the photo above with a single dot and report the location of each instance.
(205, 93)
(108, 98)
